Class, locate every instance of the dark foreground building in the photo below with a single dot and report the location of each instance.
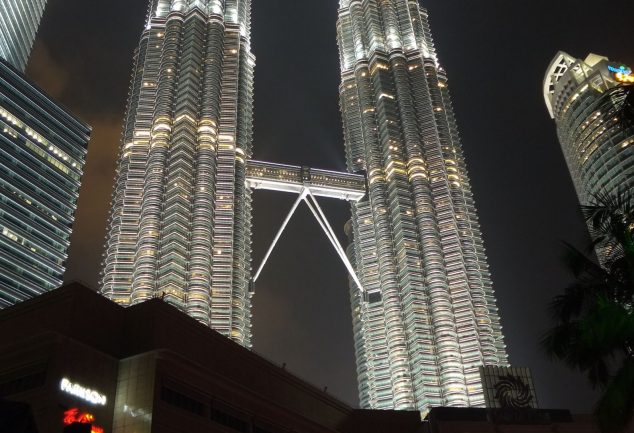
(74, 356)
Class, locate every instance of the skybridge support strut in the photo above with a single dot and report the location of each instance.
(302, 196)
(330, 233)
(310, 200)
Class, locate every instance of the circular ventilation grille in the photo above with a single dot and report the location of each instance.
(512, 392)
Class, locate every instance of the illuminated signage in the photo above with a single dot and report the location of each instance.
(620, 69)
(622, 73)
(90, 395)
(72, 416)
(624, 78)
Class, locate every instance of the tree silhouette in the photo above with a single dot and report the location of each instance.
(594, 318)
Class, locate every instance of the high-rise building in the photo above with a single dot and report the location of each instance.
(587, 100)
(180, 226)
(19, 20)
(426, 320)
(42, 154)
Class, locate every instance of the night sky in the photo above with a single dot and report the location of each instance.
(495, 53)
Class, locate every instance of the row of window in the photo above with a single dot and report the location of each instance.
(217, 412)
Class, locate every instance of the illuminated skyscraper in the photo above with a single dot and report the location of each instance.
(180, 226)
(427, 318)
(19, 20)
(587, 100)
(42, 154)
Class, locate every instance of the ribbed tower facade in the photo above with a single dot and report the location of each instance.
(180, 227)
(19, 20)
(426, 319)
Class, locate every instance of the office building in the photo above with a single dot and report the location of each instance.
(180, 225)
(19, 20)
(588, 100)
(71, 356)
(426, 319)
(42, 154)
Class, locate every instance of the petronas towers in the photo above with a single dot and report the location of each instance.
(425, 317)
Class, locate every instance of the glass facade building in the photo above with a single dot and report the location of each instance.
(42, 154)
(427, 318)
(587, 99)
(19, 20)
(180, 226)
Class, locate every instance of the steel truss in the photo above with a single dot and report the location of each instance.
(306, 195)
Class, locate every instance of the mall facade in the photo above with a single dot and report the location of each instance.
(75, 358)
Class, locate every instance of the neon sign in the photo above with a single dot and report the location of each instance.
(624, 70)
(622, 73)
(90, 395)
(72, 416)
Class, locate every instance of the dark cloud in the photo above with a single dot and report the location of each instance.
(46, 72)
(94, 202)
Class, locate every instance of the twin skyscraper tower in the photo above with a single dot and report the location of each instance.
(424, 314)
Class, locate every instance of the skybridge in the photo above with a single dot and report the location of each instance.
(307, 183)
(293, 178)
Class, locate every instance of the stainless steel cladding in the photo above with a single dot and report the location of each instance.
(180, 226)
(428, 318)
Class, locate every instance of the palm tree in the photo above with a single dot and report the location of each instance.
(594, 318)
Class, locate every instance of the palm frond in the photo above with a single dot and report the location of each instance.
(609, 215)
(567, 343)
(576, 299)
(593, 328)
(590, 344)
(580, 264)
(615, 409)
